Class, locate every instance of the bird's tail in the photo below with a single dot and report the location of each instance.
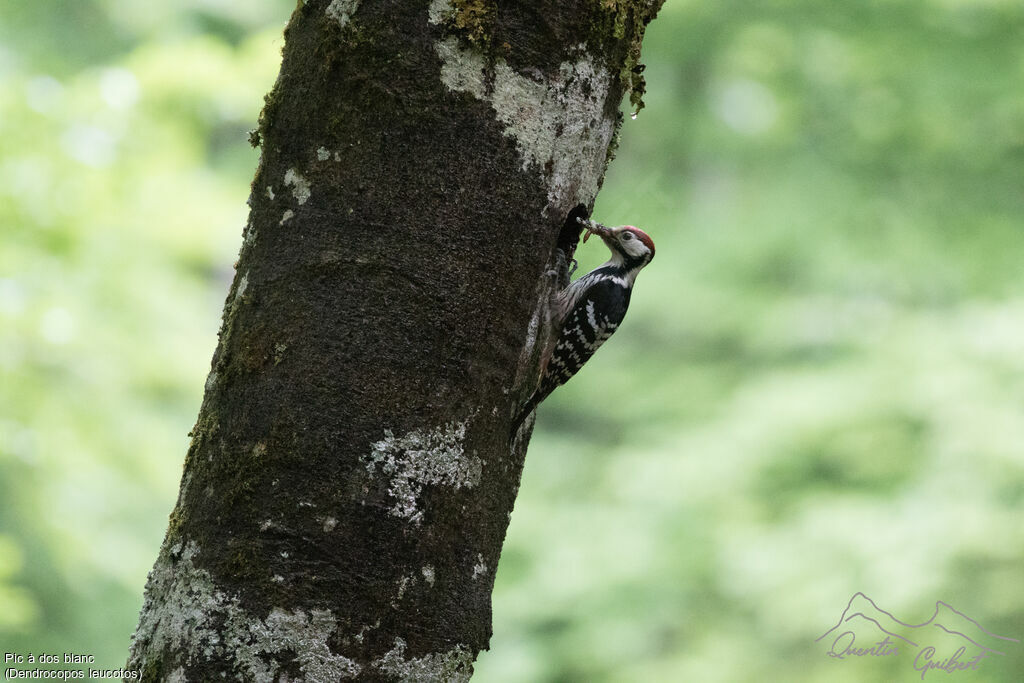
(524, 412)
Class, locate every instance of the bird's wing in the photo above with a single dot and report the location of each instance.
(593, 318)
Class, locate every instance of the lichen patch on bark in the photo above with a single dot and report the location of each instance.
(243, 284)
(559, 123)
(453, 666)
(480, 568)
(300, 186)
(184, 607)
(428, 574)
(342, 10)
(306, 636)
(423, 458)
(438, 10)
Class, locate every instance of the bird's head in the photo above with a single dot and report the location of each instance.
(628, 244)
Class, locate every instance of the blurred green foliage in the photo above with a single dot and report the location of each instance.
(819, 389)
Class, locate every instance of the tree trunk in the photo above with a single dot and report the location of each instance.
(351, 474)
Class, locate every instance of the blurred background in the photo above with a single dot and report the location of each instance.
(818, 391)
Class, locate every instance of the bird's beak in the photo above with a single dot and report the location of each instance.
(595, 228)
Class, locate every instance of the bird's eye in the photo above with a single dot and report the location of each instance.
(626, 236)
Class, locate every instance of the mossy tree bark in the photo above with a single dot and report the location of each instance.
(351, 476)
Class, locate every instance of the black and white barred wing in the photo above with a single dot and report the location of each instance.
(593, 318)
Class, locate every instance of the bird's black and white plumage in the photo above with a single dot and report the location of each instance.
(592, 308)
